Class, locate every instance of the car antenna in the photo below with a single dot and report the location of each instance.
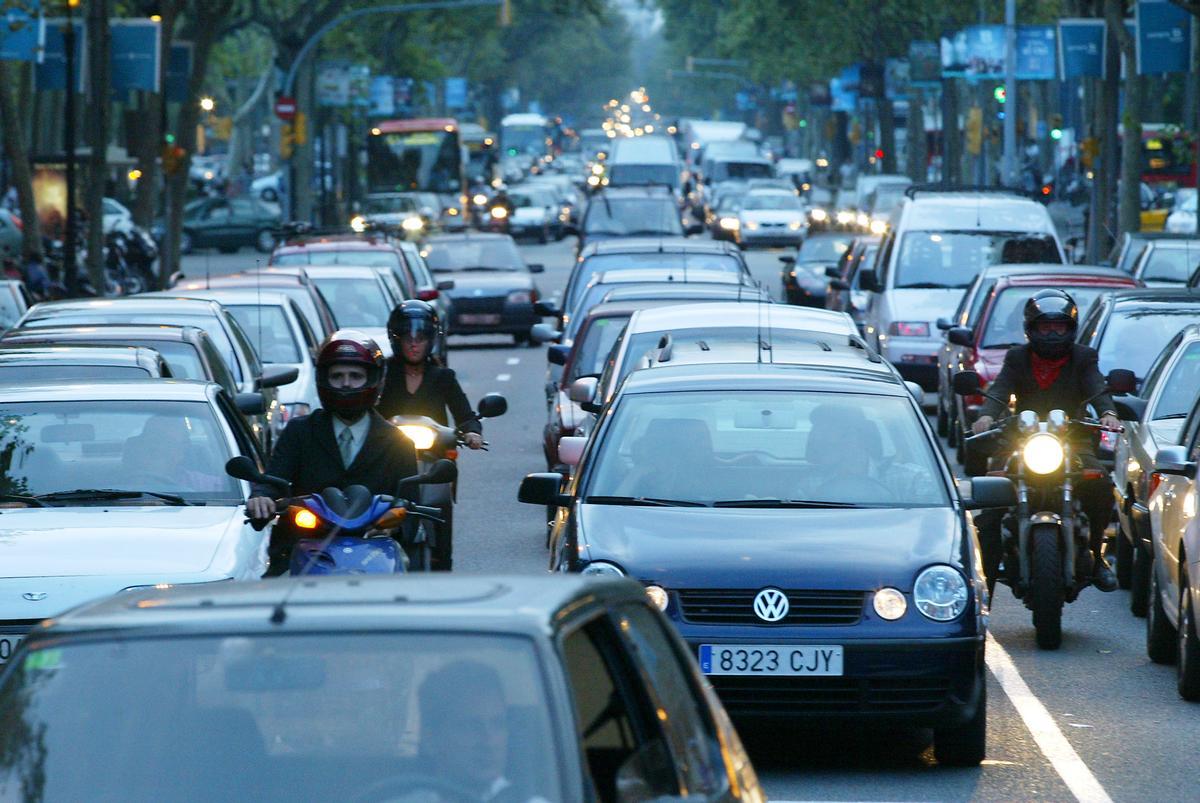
(770, 336)
(758, 335)
(258, 300)
(279, 612)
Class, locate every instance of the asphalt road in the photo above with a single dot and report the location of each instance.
(1093, 721)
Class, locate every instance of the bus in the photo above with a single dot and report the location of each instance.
(528, 135)
(419, 155)
(1168, 158)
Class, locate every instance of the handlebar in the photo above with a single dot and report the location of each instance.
(1005, 424)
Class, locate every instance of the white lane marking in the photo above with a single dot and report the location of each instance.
(514, 360)
(1066, 762)
(503, 377)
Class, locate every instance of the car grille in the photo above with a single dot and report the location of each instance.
(736, 607)
(772, 695)
(17, 625)
(474, 305)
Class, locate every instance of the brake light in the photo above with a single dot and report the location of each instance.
(427, 295)
(1093, 473)
(1108, 440)
(1155, 481)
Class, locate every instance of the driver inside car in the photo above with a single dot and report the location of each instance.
(161, 452)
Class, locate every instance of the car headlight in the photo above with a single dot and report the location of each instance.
(845, 217)
(412, 224)
(940, 593)
(593, 180)
(730, 223)
(879, 227)
(422, 437)
(520, 297)
(909, 329)
(890, 604)
(452, 211)
(499, 212)
(862, 219)
(658, 595)
(480, 199)
(796, 225)
(358, 223)
(602, 568)
(819, 215)
(1043, 453)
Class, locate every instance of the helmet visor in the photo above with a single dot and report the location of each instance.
(415, 330)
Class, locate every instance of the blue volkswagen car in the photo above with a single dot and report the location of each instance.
(797, 523)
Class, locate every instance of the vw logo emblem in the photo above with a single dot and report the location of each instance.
(771, 605)
(34, 596)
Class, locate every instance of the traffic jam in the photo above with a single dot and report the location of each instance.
(686, 444)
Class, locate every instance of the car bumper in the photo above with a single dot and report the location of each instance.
(916, 682)
(1139, 517)
(915, 358)
(769, 237)
(511, 319)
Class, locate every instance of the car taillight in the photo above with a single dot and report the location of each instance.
(1155, 481)
(973, 401)
(427, 295)
(1108, 440)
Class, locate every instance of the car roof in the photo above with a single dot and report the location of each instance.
(675, 275)
(464, 236)
(688, 292)
(1000, 271)
(833, 374)
(1070, 276)
(965, 211)
(726, 314)
(108, 390)
(529, 604)
(246, 296)
(167, 301)
(48, 354)
(342, 272)
(633, 191)
(334, 242)
(658, 245)
(1155, 297)
(105, 331)
(1191, 243)
(267, 277)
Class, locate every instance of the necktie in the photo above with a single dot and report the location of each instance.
(346, 446)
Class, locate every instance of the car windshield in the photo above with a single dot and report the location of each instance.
(168, 447)
(1133, 338)
(341, 716)
(1006, 322)
(602, 263)
(120, 313)
(756, 447)
(887, 198)
(390, 206)
(951, 259)
(1172, 263)
(1181, 387)
(354, 301)
(723, 171)
(499, 253)
(628, 175)
(823, 248)
(361, 258)
(597, 342)
(774, 202)
(16, 372)
(269, 332)
(623, 217)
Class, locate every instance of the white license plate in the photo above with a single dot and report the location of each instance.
(771, 659)
(8, 645)
(480, 319)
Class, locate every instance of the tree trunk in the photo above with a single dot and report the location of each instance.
(1106, 172)
(98, 109)
(887, 133)
(1129, 201)
(302, 156)
(18, 159)
(915, 140)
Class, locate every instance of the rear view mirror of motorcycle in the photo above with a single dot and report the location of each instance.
(1121, 381)
(442, 471)
(243, 468)
(492, 405)
(966, 383)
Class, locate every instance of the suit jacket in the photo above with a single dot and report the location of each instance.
(307, 455)
(438, 392)
(1078, 381)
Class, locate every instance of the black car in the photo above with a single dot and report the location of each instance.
(798, 524)
(622, 212)
(493, 292)
(1131, 327)
(225, 224)
(804, 276)
(357, 688)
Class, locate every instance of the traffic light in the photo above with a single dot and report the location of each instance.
(1000, 94)
(172, 158)
(1089, 149)
(1056, 124)
(287, 141)
(879, 153)
(300, 128)
(974, 130)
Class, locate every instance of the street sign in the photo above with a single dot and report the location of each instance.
(285, 107)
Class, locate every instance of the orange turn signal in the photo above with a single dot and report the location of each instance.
(305, 519)
(452, 454)
(393, 518)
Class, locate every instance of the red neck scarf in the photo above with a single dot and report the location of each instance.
(1045, 371)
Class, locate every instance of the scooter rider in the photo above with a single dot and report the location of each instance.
(1053, 372)
(344, 443)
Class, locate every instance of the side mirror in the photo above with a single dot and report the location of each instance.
(445, 284)
(441, 472)
(570, 450)
(943, 324)
(830, 270)
(916, 390)
(546, 310)
(583, 390)
(541, 489)
(250, 403)
(869, 280)
(1121, 381)
(966, 383)
(1174, 460)
(544, 333)
(536, 267)
(275, 375)
(557, 354)
(989, 492)
(492, 405)
(788, 259)
(693, 229)
(839, 284)
(961, 336)
(1130, 408)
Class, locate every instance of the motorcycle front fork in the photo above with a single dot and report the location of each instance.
(1070, 523)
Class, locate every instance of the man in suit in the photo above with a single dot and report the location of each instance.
(344, 443)
(1053, 372)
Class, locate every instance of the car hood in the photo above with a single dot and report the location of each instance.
(747, 548)
(923, 304)
(488, 282)
(529, 213)
(772, 215)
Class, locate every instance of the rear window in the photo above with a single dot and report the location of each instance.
(1134, 337)
(1006, 322)
(269, 332)
(1175, 265)
(36, 373)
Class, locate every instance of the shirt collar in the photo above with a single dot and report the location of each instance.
(358, 430)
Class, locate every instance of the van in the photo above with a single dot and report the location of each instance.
(646, 160)
(936, 243)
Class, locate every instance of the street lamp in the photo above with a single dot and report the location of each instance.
(207, 104)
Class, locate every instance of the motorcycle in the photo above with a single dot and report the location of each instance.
(352, 531)
(435, 442)
(1045, 538)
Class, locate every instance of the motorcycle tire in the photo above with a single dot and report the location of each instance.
(964, 745)
(1124, 559)
(1046, 595)
(1161, 638)
(1188, 673)
(1139, 583)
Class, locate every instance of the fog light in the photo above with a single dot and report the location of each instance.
(658, 595)
(890, 604)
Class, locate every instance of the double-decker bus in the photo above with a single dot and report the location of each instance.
(1168, 158)
(419, 155)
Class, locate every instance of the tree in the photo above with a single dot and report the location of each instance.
(17, 153)
(1129, 193)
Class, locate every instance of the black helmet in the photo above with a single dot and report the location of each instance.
(413, 318)
(355, 348)
(1051, 306)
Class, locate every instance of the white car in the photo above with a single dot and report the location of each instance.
(771, 218)
(112, 485)
(116, 214)
(1182, 219)
(358, 296)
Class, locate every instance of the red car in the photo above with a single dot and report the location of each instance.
(1001, 325)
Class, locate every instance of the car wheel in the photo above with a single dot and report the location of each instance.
(185, 243)
(1160, 636)
(1139, 583)
(943, 418)
(966, 744)
(264, 241)
(1189, 645)
(1124, 558)
(269, 195)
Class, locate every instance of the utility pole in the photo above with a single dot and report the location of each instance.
(99, 46)
(1013, 101)
(70, 268)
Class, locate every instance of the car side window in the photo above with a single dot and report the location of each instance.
(310, 338)
(242, 208)
(690, 734)
(216, 364)
(243, 341)
(621, 743)
(247, 443)
(883, 257)
(1159, 365)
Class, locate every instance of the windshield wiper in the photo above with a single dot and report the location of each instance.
(927, 286)
(1170, 416)
(483, 267)
(87, 494)
(647, 501)
(651, 233)
(1001, 345)
(32, 501)
(781, 503)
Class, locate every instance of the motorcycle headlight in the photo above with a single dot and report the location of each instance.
(819, 215)
(358, 223)
(1043, 453)
(729, 223)
(480, 199)
(305, 519)
(940, 593)
(412, 224)
(422, 437)
(879, 227)
(602, 568)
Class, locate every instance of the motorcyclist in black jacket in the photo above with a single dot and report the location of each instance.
(1053, 372)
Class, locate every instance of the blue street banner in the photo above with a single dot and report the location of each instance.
(925, 64)
(456, 93)
(179, 72)
(1081, 48)
(383, 96)
(20, 30)
(1036, 52)
(136, 54)
(1164, 38)
(51, 73)
(977, 52)
(896, 74)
